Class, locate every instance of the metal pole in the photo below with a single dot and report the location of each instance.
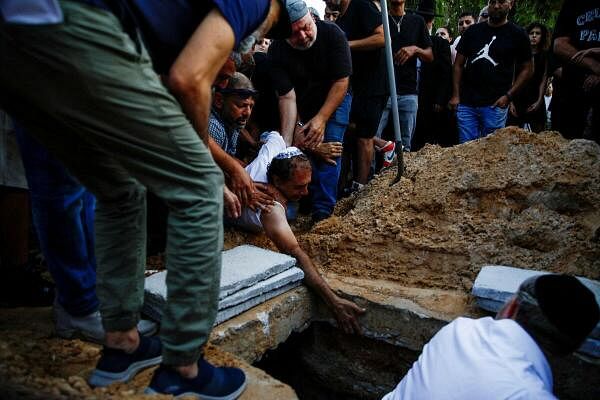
(392, 84)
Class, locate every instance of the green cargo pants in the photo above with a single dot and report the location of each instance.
(89, 94)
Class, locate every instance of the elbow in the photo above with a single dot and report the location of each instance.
(177, 82)
(183, 85)
(344, 83)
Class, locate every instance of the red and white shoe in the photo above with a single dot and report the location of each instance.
(389, 153)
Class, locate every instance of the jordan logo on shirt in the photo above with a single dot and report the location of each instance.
(484, 53)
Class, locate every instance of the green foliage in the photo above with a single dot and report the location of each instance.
(525, 11)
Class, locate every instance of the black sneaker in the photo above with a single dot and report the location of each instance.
(212, 383)
(117, 366)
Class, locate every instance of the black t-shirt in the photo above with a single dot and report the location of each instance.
(359, 21)
(263, 112)
(579, 21)
(491, 56)
(311, 72)
(413, 32)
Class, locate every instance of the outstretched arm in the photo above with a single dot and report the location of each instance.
(278, 230)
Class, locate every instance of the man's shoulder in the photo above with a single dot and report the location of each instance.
(215, 124)
(331, 29)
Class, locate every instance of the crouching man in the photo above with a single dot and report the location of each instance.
(288, 171)
(506, 357)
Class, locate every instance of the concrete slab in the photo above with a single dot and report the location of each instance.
(284, 278)
(230, 306)
(497, 283)
(230, 312)
(245, 265)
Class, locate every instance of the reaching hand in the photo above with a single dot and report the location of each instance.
(513, 110)
(232, 206)
(346, 313)
(241, 184)
(312, 132)
(328, 152)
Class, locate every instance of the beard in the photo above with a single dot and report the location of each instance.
(302, 47)
(497, 17)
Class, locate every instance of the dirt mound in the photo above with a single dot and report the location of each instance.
(513, 198)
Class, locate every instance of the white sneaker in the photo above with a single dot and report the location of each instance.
(89, 327)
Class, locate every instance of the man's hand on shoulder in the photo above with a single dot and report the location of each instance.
(263, 198)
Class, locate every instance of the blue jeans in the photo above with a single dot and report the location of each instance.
(478, 122)
(324, 183)
(63, 218)
(407, 116)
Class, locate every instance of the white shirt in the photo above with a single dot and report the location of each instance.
(478, 359)
(453, 48)
(257, 169)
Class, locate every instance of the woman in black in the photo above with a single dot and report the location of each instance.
(528, 105)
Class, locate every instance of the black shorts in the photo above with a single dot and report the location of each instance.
(366, 113)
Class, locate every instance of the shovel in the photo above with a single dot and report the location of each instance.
(392, 84)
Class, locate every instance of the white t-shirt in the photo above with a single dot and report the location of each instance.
(453, 48)
(478, 359)
(257, 169)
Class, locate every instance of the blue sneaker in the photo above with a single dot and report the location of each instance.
(117, 366)
(212, 383)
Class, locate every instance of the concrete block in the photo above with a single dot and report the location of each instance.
(241, 267)
(227, 313)
(495, 284)
(230, 306)
(275, 282)
(245, 265)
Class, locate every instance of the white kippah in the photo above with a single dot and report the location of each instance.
(289, 153)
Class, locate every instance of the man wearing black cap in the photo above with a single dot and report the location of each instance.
(505, 358)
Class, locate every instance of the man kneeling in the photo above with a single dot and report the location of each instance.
(288, 171)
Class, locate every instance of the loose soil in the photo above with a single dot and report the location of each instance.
(514, 198)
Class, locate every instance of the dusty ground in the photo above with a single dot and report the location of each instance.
(519, 199)
(525, 200)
